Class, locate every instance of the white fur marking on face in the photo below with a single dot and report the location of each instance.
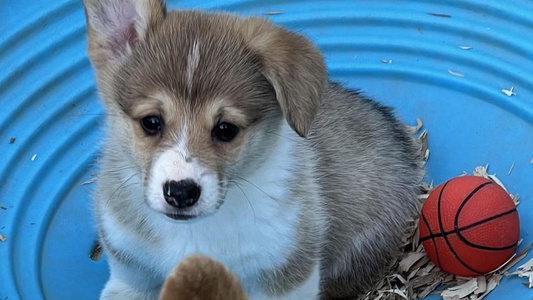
(193, 58)
(182, 145)
(176, 164)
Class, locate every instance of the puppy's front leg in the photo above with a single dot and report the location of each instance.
(128, 283)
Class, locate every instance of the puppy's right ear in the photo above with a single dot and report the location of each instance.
(116, 26)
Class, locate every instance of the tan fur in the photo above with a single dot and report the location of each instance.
(201, 278)
(293, 66)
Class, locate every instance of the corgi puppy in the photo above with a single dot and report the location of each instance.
(226, 138)
(199, 277)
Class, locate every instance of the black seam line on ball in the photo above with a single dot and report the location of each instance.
(456, 221)
(455, 230)
(445, 236)
(459, 230)
(486, 247)
(432, 236)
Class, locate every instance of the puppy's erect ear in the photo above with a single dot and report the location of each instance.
(115, 26)
(294, 67)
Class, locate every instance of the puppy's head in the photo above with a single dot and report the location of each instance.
(193, 98)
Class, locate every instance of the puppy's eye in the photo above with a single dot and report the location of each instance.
(151, 124)
(225, 132)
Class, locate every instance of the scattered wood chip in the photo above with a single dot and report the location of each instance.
(465, 47)
(511, 168)
(12, 140)
(528, 266)
(423, 138)
(516, 199)
(33, 157)
(398, 292)
(430, 288)
(481, 285)
(386, 61)
(481, 171)
(439, 15)
(462, 290)
(409, 260)
(88, 181)
(509, 92)
(3, 238)
(416, 128)
(272, 13)
(492, 283)
(456, 74)
(96, 252)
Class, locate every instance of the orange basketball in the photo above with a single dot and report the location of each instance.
(469, 226)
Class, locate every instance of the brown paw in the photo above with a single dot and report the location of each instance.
(201, 278)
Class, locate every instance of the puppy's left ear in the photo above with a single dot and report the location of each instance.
(294, 67)
(115, 27)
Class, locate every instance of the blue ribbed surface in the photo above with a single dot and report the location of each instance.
(49, 105)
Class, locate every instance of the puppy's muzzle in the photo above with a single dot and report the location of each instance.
(181, 194)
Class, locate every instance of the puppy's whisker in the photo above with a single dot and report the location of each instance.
(122, 186)
(118, 170)
(258, 188)
(246, 196)
(285, 137)
(95, 114)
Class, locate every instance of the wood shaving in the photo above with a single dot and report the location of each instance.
(461, 290)
(386, 61)
(465, 47)
(440, 15)
(481, 171)
(509, 92)
(96, 252)
(456, 74)
(417, 127)
(413, 276)
(3, 238)
(423, 139)
(88, 181)
(34, 157)
(511, 168)
(492, 283)
(528, 266)
(408, 261)
(272, 13)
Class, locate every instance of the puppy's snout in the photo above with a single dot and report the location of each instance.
(181, 194)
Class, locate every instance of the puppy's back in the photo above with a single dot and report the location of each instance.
(369, 171)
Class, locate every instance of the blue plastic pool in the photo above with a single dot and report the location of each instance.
(443, 61)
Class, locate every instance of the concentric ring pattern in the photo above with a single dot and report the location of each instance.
(443, 61)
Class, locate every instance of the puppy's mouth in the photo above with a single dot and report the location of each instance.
(187, 216)
(180, 216)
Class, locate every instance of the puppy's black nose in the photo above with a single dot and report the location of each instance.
(181, 194)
